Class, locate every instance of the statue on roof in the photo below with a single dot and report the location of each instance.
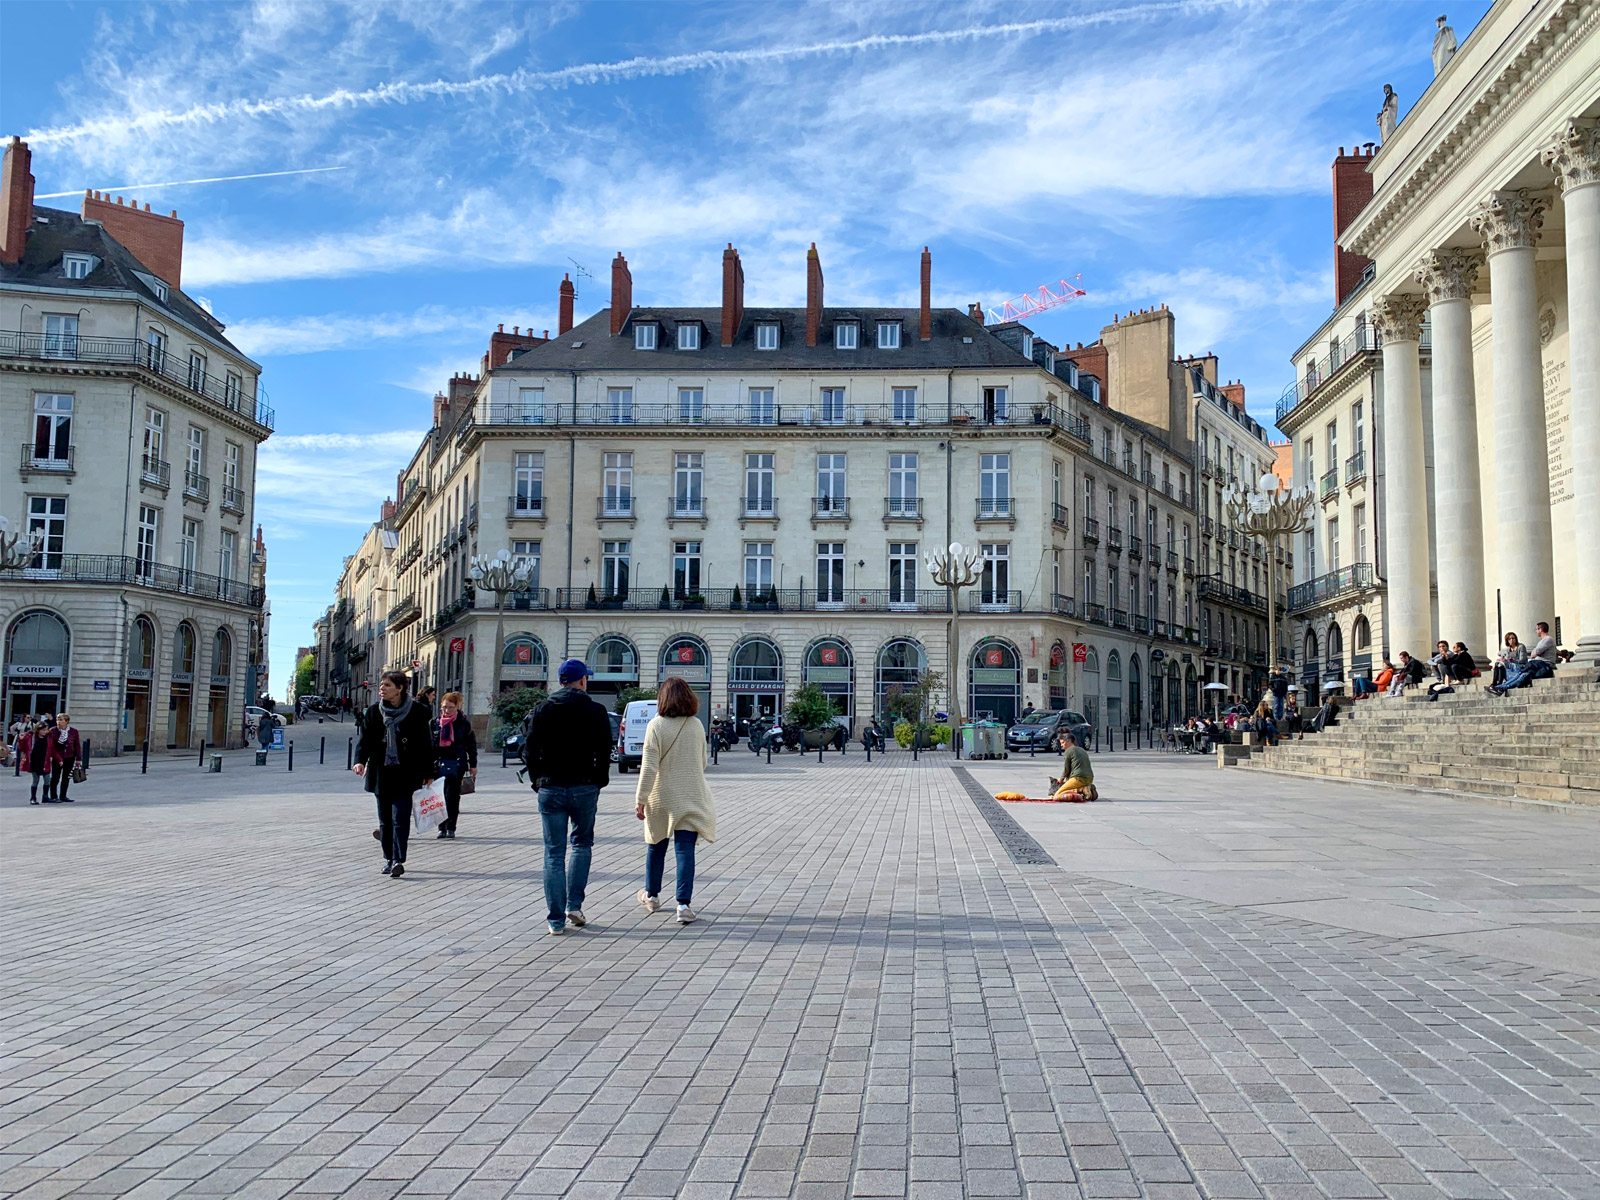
(1389, 114)
(1444, 46)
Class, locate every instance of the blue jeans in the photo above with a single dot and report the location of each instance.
(1277, 707)
(655, 864)
(564, 882)
(1522, 676)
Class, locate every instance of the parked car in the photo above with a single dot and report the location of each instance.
(1042, 729)
(630, 744)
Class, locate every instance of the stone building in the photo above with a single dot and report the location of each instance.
(744, 497)
(134, 424)
(1473, 332)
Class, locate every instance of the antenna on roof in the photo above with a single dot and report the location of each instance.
(580, 271)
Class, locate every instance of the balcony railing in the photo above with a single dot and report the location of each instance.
(1096, 613)
(1058, 515)
(902, 508)
(759, 508)
(1354, 578)
(689, 508)
(122, 569)
(1330, 482)
(1213, 588)
(615, 506)
(1119, 618)
(647, 598)
(1114, 538)
(1355, 468)
(233, 499)
(1135, 546)
(1188, 566)
(134, 353)
(404, 613)
(196, 485)
(1091, 531)
(996, 508)
(1063, 606)
(451, 613)
(524, 506)
(55, 460)
(1172, 560)
(153, 470)
(1363, 339)
(830, 508)
(409, 555)
(1208, 527)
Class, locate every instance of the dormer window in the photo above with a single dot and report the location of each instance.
(644, 335)
(1027, 345)
(888, 335)
(689, 336)
(154, 284)
(846, 335)
(767, 335)
(1072, 373)
(79, 266)
(1050, 361)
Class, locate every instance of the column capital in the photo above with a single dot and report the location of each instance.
(1398, 316)
(1448, 274)
(1574, 156)
(1510, 220)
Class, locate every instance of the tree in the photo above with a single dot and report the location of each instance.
(810, 708)
(305, 676)
(516, 704)
(628, 695)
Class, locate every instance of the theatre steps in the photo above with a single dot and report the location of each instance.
(1539, 743)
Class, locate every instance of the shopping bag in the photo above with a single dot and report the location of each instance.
(469, 785)
(427, 807)
(80, 774)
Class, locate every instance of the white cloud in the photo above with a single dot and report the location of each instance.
(258, 336)
(309, 481)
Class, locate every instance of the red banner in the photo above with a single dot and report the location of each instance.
(1080, 652)
(994, 658)
(830, 656)
(686, 654)
(524, 654)
(458, 645)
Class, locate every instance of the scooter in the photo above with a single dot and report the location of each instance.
(764, 733)
(874, 736)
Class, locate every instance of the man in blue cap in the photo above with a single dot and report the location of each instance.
(569, 761)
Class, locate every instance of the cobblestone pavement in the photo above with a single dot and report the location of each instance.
(209, 990)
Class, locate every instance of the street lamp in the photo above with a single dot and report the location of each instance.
(955, 568)
(16, 549)
(1270, 512)
(500, 574)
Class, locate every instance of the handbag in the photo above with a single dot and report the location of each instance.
(80, 773)
(469, 785)
(452, 767)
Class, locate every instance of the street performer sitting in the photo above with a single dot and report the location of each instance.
(1078, 781)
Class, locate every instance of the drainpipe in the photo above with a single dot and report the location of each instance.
(572, 480)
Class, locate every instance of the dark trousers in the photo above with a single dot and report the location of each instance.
(33, 792)
(394, 824)
(655, 864)
(60, 777)
(452, 802)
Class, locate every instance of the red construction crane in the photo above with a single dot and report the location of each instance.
(1029, 303)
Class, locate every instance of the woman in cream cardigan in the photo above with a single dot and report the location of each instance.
(673, 800)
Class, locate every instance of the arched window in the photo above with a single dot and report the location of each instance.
(757, 660)
(995, 686)
(614, 659)
(524, 659)
(36, 648)
(829, 664)
(1361, 635)
(1059, 659)
(899, 667)
(686, 656)
(1113, 668)
(221, 655)
(1311, 646)
(1091, 662)
(183, 653)
(142, 648)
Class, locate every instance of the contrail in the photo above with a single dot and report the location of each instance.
(589, 74)
(144, 187)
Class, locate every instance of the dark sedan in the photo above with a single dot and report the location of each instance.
(1042, 730)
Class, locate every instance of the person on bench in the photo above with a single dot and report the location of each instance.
(1541, 664)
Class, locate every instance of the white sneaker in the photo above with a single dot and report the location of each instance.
(575, 915)
(685, 914)
(651, 904)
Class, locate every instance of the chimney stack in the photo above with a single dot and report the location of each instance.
(156, 241)
(813, 295)
(1235, 394)
(621, 293)
(386, 513)
(568, 295)
(732, 294)
(975, 311)
(926, 327)
(1352, 189)
(16, 198)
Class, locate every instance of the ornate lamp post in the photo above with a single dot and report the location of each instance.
(1271, 513)
(17, 548)
(500, 574)
(955, 568)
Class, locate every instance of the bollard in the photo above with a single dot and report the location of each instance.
(322, 751)
(202, 761)
(916, 745)
(714, 745)
(86, 749)
(349, 753)
(868, 745)
(291, 756)
(144, 762)
(505, 756)
(769, 752)
(1033, 749)
(819, 751)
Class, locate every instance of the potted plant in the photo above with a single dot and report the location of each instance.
(764, 600)
(735, 602)
(694, 600)
(811, 709)
(593, 600)
(666, 598)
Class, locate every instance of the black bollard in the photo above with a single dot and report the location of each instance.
(769, 752)
(505, 756)
(291, 756)
(322, 751)
(868, 745)
(819, 751)
(86, 748)
(1033, 749)
(202, 761)
(349, 753)
(916, 745)
(144, 762)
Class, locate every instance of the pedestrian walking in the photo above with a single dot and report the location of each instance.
(673, 799)
(569, 760)
(395, 756)
(33, 749)
(64, 750)
(426, 698)
(456, 748)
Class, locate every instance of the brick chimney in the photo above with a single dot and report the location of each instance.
(621, 293)
(1352, 189)
(813, 295)
(925, 329)
(1235, 394)
(386, 513)
(441, 404)
(732, 294)
(568, 295)
(501, 344)
(16, 195)
(975, 311)
(156, 241)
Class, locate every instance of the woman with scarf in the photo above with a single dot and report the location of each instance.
(65, 749)
(395, 757)
(456, 748)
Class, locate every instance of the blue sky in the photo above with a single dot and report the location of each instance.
(1171, 153)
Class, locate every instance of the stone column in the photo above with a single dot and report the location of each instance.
(1398, 318)
(1446, 276)
(1575, 159)
(1509, 223)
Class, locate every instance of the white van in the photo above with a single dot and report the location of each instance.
(635, 718)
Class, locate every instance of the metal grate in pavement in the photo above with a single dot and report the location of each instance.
(1015, 840)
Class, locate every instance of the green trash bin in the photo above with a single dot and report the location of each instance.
(971, 741)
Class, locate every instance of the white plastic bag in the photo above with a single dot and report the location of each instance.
(427, 806)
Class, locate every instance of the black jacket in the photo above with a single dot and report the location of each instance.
(569, 741)
(465, 745)
(1414, 671)
(415, 743)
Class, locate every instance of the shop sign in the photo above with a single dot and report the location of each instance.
(689, 674)
(1080, 652)
(829, 656)
(1004, 677)
(827, 674)
(524, 653)
(994, 657)
(34, 671)
(522, 671)
(458, 645)
(686, 654)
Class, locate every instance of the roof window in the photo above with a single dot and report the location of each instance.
(846, 335)
(154, 284)
(888, 335)
(79, 266)
(689, 336)
(644, 335)
(767, 335)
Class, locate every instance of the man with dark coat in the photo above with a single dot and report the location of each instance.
(569, 760)
(396, 757)
(1278, 685)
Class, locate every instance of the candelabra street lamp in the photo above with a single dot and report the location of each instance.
(17, 548)
(500, 574)
(1271, 512)
(955, 568)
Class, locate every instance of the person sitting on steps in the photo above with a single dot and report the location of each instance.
(1541, 664)
(1409, 673)
(1385, 677)
(1513, 655)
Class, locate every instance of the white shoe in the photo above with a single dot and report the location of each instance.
(685, 914)
(651, 904)
(576, 917)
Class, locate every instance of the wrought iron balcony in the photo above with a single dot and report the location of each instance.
(1359, 342)
(125, 570)
(233, 499)
(615, 507)
(1355, 468)
(1172, 560)
(902, 508)
(154, 471)
(48, 460)
(1058, 515)
(830, 508)
(518, 507)
(1114, 539)
(404, 613)
(1357, 577)
(1135, 547)
(1330, 482)
(1063, 606)
(759, 508)
(1091, 531)
(196, 485)
(996, 508)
